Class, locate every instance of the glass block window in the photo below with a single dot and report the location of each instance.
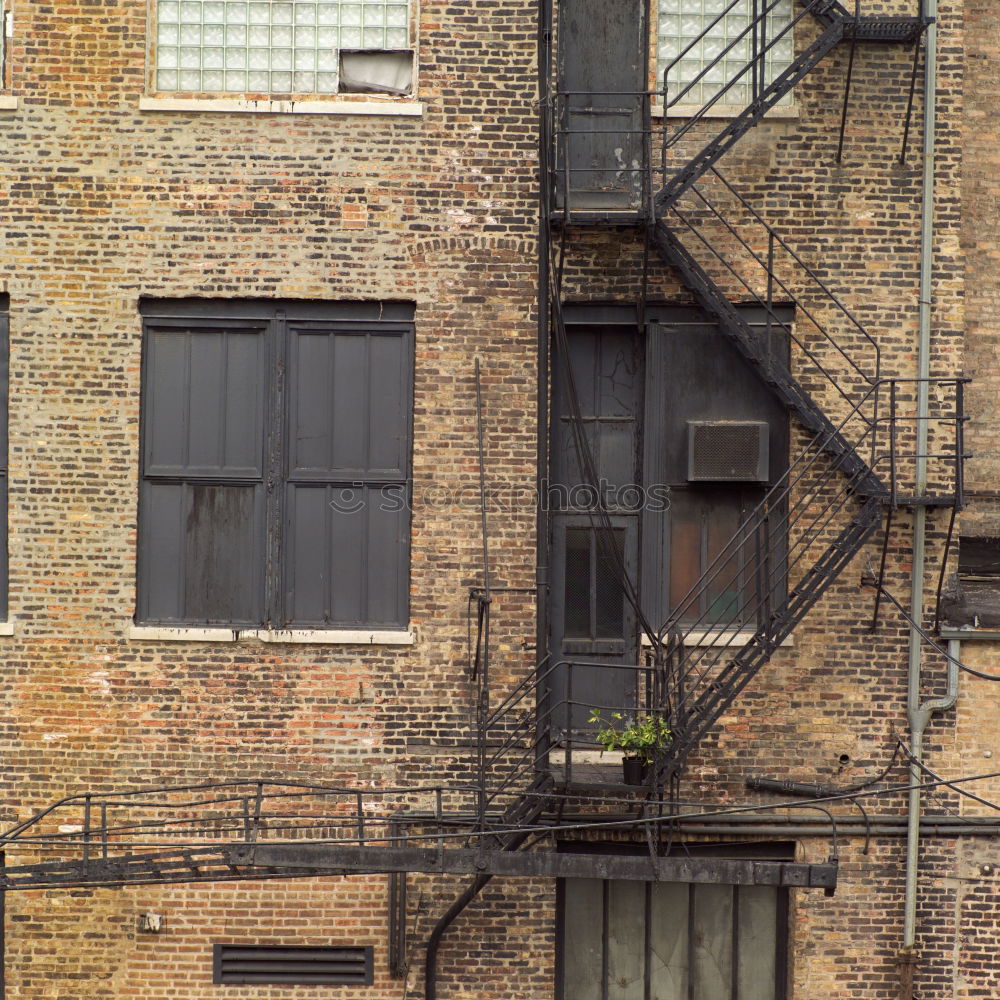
(268, 46)
(683, 23)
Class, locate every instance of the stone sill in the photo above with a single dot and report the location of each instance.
(971, 634)
(353, 637)
(390, 107)
(723, 637)
(8, 103)
(6, 628)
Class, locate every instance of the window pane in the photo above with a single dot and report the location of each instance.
(712, 942)
(289, 25)
(668, 941)
(626, 940)
(756, 958)
(583, 946)
(721, 45)
(578, 578)
(610, 593)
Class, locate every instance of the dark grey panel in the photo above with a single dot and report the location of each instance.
(161, 548)
(602, 66)
(4, 556)
(350, 403)
(165, 409)
(4, 385)
(265, 309)
(756, 955)
(387, 566)
(308, 547)
(606, 366)
(708, 380)
(204, 410)
(668, 941)
(222, 553)
(348, 557)
(200, 546)
(389, 395)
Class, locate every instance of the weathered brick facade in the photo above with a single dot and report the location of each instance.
(102, 203)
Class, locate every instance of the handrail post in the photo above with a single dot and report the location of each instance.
(892, 442)
(86, 828)
(960, 442)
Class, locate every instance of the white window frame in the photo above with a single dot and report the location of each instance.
(297, 102)
(7, 101)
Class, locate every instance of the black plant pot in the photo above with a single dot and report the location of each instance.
(635, 770)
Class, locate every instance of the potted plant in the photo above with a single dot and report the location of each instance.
(640, 738)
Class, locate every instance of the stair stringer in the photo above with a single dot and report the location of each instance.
(776, 377)
(747, 662)
(737, 127)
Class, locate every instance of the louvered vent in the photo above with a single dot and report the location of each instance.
(238, 964)
(733, 451)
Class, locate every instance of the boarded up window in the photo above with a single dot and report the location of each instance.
(275, 466)
(671, 941)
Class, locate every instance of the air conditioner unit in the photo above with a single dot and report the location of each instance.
(729, 451)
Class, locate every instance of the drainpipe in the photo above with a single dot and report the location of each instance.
(919, 715)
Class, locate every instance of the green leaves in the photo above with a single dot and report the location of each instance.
(643, 736)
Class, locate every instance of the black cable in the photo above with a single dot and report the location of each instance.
(930, 641)
(944, 781)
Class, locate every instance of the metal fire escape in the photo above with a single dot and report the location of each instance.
(857, 424)
(855, 430)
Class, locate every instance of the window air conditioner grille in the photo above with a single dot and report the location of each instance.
(734, 451)
(237, 964)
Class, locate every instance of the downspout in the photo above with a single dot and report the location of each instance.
(919, 715)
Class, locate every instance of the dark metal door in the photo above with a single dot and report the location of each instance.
(600, 105)
(593, 622)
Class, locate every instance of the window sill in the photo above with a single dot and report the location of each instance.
(721, 637)
(965, 633)
(6, 628)
(681, 111)
(387, 107)
(8, 103)
(353, 637)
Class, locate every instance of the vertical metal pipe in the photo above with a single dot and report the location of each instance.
(916, 714)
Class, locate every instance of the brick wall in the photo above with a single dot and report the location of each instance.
(101, 203)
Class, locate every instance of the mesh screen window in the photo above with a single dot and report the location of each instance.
(268, 46)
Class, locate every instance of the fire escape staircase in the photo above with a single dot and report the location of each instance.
(819, 515)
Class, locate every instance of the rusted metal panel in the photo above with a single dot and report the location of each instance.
(602, 46)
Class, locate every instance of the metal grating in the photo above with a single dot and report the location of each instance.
(727, 451)
(343, 965)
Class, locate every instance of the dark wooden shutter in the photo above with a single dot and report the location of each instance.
(202, 499)
(347, 519)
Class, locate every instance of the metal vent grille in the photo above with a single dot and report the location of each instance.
(727, 451)
(238, 964)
